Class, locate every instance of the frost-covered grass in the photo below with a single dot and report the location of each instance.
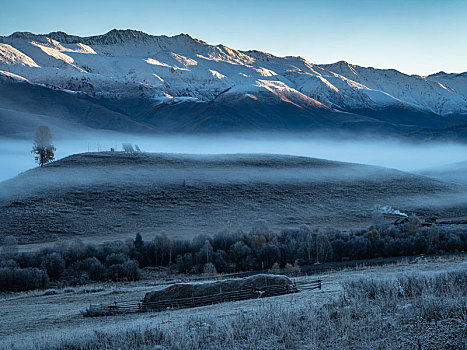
(409, 311)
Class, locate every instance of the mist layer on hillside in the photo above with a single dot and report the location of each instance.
(403, 156)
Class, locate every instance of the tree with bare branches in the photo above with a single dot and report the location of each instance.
(43, 148)
(323, 248)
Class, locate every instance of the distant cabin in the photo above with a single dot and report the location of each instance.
(401, 220)
(128, 147)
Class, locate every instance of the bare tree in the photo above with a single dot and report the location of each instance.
(323, 248)
(275, 269)
(10, 247)
(210, 270)
(43, 148)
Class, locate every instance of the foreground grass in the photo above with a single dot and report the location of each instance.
(411, 311)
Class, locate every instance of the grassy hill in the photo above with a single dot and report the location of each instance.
(115, 195)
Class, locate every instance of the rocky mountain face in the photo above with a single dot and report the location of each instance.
(181, 84)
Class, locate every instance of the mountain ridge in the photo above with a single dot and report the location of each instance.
(137, 34)
(168, 70)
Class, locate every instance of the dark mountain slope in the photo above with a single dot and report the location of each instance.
(24, 106)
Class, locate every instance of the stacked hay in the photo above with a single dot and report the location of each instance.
(195, 294)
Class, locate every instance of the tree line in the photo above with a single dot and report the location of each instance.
(226, 252)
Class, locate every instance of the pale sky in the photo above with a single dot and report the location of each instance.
(413, 36)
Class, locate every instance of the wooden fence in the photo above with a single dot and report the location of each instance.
(160, 305)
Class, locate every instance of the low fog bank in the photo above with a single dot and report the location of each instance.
(454, 172)
(393, 154)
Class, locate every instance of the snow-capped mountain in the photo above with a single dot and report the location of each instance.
(198, 78)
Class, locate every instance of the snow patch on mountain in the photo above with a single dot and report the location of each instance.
(9, 56)
(12, 76)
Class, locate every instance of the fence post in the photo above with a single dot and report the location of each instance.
(319, 284)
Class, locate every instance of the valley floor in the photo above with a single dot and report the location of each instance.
(41, 319)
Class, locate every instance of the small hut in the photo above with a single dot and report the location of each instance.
(401, 220)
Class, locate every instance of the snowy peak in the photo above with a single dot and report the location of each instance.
(114, 36)
(447, 75)
(342, 67)
(119, 36)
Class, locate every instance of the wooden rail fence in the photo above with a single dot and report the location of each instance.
(159, 305)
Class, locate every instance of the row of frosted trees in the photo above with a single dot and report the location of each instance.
(226, 252)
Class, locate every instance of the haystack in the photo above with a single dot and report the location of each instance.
(192, 294)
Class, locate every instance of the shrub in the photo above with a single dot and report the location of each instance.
(114, 259)
(15, 279)
(131, 270)
(96, 270)
(275, 269)
(115, 272)
(54, 265)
